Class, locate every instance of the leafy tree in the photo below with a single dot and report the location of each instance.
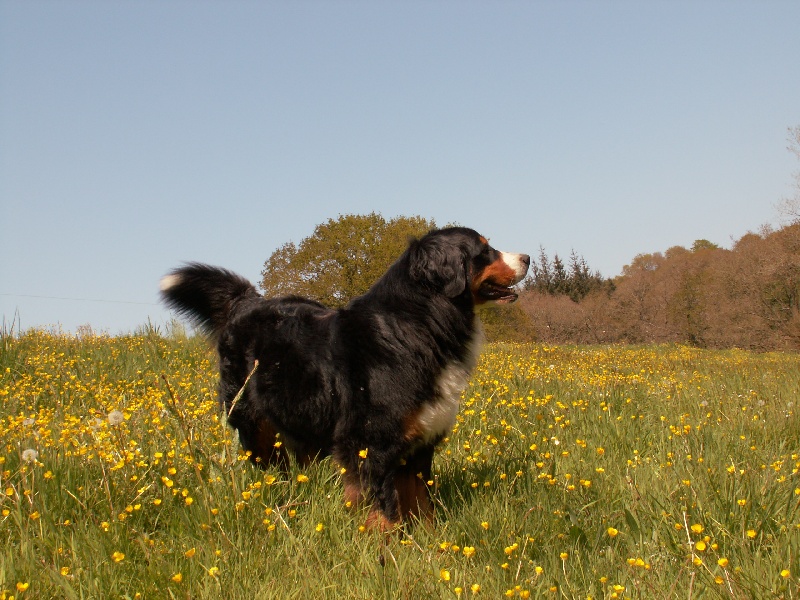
(341, 259)
(700, 245)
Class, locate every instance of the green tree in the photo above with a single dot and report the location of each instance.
(341, 259)
(700, 245)
(556, 278)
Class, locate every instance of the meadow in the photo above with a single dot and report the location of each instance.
(573, 472)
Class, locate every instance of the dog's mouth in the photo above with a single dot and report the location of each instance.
(497, 293)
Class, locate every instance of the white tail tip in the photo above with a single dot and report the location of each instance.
(169, 281)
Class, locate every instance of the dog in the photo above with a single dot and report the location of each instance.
(376, 384)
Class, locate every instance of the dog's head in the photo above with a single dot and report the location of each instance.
(458, 260)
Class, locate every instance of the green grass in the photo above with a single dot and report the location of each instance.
(691, 457)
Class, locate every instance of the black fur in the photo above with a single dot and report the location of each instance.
(337, 382)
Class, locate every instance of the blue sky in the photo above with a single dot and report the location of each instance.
(137, 135)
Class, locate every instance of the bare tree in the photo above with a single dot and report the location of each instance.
(789, 208)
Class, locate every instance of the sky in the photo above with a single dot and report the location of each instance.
(137, 135)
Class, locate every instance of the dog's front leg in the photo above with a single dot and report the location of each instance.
(411, 482)
(378, 478)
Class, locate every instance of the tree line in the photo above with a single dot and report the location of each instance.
(705, 296)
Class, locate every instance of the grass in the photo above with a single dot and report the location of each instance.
(573, 472)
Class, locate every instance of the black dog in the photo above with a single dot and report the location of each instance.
(376, 384)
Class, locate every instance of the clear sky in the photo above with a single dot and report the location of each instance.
(138, 135)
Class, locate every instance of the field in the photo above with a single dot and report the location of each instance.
(573, 472)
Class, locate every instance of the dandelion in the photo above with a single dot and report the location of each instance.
(475, 588)
(697, 528)
(700, 546)
(213, 571)
(564, 555)
(190, 552)
(21, 587)
(444, 575)
(177, 578)
(362, 454)
(469, 551)
(30, 455)
(751, 533)
(485, 525)
(64, 571)
(319, 527)
(612, 532)
(302, 478)
(115, 417)
(785, 573)
(117, 557)
(722, 562)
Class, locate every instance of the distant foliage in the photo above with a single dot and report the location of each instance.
(709, 297)
(554, 278)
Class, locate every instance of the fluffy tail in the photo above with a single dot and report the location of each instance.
(205, 295)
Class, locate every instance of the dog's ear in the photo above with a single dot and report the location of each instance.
(439, 265)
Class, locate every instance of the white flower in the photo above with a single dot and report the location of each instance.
(30, 455)
(115, 417)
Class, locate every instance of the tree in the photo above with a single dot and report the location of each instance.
(555, 278)
(790, 207)
(700, 245)
(341, 259)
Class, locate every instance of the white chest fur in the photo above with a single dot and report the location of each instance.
(437, 417)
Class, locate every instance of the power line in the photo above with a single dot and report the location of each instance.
(80, 299)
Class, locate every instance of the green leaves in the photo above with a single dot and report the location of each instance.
(342, 258)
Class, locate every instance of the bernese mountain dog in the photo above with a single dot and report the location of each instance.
(376, 384)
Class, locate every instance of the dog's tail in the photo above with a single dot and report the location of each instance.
(206, 295)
